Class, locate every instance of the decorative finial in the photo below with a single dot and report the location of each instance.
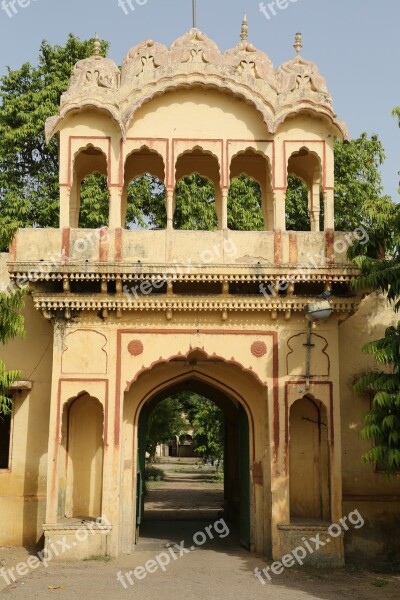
(244, 34)
(298, 43)
(96, 45)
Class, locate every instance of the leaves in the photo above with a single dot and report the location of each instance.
(209, 426)
(11, 325)
(164, 423)
(382, 422)
(29, 191)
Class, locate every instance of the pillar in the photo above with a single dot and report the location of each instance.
(269, 211)
(115, 213)
(315, 207)
(329, 209)
(280, 209)
(171, 203)
(221, 205)
(65, 197)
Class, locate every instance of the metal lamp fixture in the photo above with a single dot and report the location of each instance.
(314, 312)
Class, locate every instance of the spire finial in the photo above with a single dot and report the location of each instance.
(298, 42)
(244, 34)
(96, 45)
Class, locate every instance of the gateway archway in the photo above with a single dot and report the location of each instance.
(243, 400)
(236, 495)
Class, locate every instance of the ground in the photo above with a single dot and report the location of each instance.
(215, 570)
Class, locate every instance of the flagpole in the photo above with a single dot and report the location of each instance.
(194, 14)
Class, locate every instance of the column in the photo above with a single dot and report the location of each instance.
(329, 207)
(65, 196)
(115, 213)
(315, 207)
(221, 202)
(280, 209)
(171, 203)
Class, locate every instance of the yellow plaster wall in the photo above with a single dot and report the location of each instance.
(23, 487)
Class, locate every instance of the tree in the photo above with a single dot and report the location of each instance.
(382, 422)
(358, 179)
(379, 265)
(209, 429)
(297, 214)
(11, 325)
(244, 205)
(29, 191)
(164, 423)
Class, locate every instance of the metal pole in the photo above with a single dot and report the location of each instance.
(194, 14)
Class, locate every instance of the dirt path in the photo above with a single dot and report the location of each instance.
(198, 567)
(186, 493)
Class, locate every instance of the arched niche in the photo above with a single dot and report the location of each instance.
(83, 438)
(309, 461)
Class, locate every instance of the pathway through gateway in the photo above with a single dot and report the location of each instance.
(185, 503)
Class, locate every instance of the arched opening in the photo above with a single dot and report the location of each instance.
(84, 448)
(89, 199)
(250, 198)
(304, 199)
(243, 397)
(143, 196)
(309, 462)
(198, 197)
(216, 410)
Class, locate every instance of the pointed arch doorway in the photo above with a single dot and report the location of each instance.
(236, 495)
(244, 403)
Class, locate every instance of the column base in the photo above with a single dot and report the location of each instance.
(74, 539)
(329, 554)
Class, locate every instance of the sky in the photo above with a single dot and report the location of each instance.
(355, 44)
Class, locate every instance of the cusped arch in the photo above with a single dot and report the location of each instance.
(249, 152)
(52, 125)
(193, 355)
(144, 152)
(302, 153)
(315, 111)
(187, 154)
(95, 152)
(251, 96)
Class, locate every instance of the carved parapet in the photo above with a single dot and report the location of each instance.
(150, 69)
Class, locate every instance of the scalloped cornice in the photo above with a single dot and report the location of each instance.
(151, 69)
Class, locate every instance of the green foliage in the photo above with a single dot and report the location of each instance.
(29, 191)
(153, 474)
(297, 213)
(382, 422)
(358, 180)
(188, 409)
(94, 202)
(195, 204)
(11, 325)
(244, 205)
(396, 113)
(379, 259)
(379, 265)
(164, 423)
(209, 429)
(146, 203)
